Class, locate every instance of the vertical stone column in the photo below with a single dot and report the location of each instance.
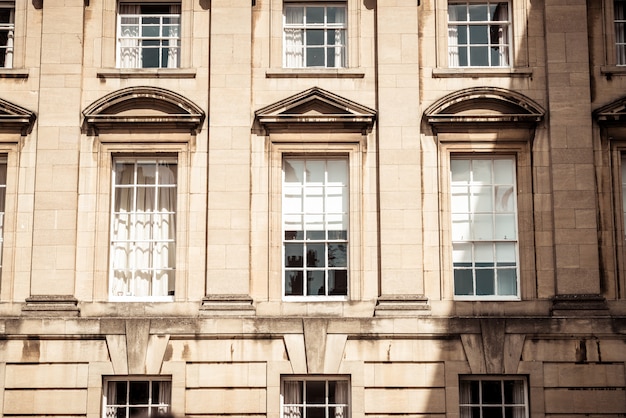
(571, 156)
(230, 120)
(56, 177)
(401, 279)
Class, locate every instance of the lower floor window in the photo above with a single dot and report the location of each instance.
(315, 398)
(493, 397)
(126, 398)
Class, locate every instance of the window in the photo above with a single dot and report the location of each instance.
(479, 34)
(493, 397)
(619, 14)
(143, 229)
(315, 226)
(148, 35)
(315, 35)
(7, 32)
(484, 226)
(315, 398)
(125, 398)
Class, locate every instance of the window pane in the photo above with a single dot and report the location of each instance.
(315, 283)
(463, 282)
(314, 15)
(293, 283)
(294, 15)
(315, 392)
(337, 255)
(315, 255)
(478, 12)
(293, 255)
(138, 393)
(457, 12)
(314, 37)
(338, 282)
(479, 34)
(491, 392)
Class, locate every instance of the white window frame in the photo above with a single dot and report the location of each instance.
(173, 51)
(480, 404)
(162, 407)
(129, 297)
(506, 32)
(305, 241)
(6, 49)
(341, 59)
(284, 145)
(475, 241)
(303, 404)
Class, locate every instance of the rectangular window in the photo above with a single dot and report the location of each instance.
(7, 32)
(619, 14)
(148, 35)
(126, 398)
(315, 226)
(143, 229)
(484, 227)
(315, 35)
(315, 398)
(479, 34)
(490, 396)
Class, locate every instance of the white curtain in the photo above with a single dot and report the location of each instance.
(165, 396)
(341, 397)
(519, 398)
(294, 39)
(292, 395)
(620, 31)
(465, 398)
(502, 15)
(129, 56)
(173, 53)
(453, 38)
(111, 411)
(340, 38)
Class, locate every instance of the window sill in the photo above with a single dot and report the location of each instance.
(470, 72)
(611, 70)
(314, 73)
(14, 72)
(147, 73)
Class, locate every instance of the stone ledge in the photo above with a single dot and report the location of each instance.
(227, 305)
(579, 305)
(402, 305)
(479, 72)
(51, 305)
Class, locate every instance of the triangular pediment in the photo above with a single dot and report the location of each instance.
(316, 108)
(143, 107)
(614, 112)
(14, 118)
(484, 105)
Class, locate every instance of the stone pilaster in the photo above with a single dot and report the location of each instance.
(56, 182)
(399, 156)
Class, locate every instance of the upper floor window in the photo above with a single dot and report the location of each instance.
(315, 226)
(619, 14)
(479, 34)
(148, 35)
(315, 35)
(7, 31)
(143, 229)
(315, 398)
(493, 396)
(484, 226)
(128, 397)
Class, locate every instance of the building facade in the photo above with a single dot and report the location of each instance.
(313, 209)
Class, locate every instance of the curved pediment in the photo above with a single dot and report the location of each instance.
(484, 105)
(14, 118)
(315, 109)
(143, 107)
(614, 112)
